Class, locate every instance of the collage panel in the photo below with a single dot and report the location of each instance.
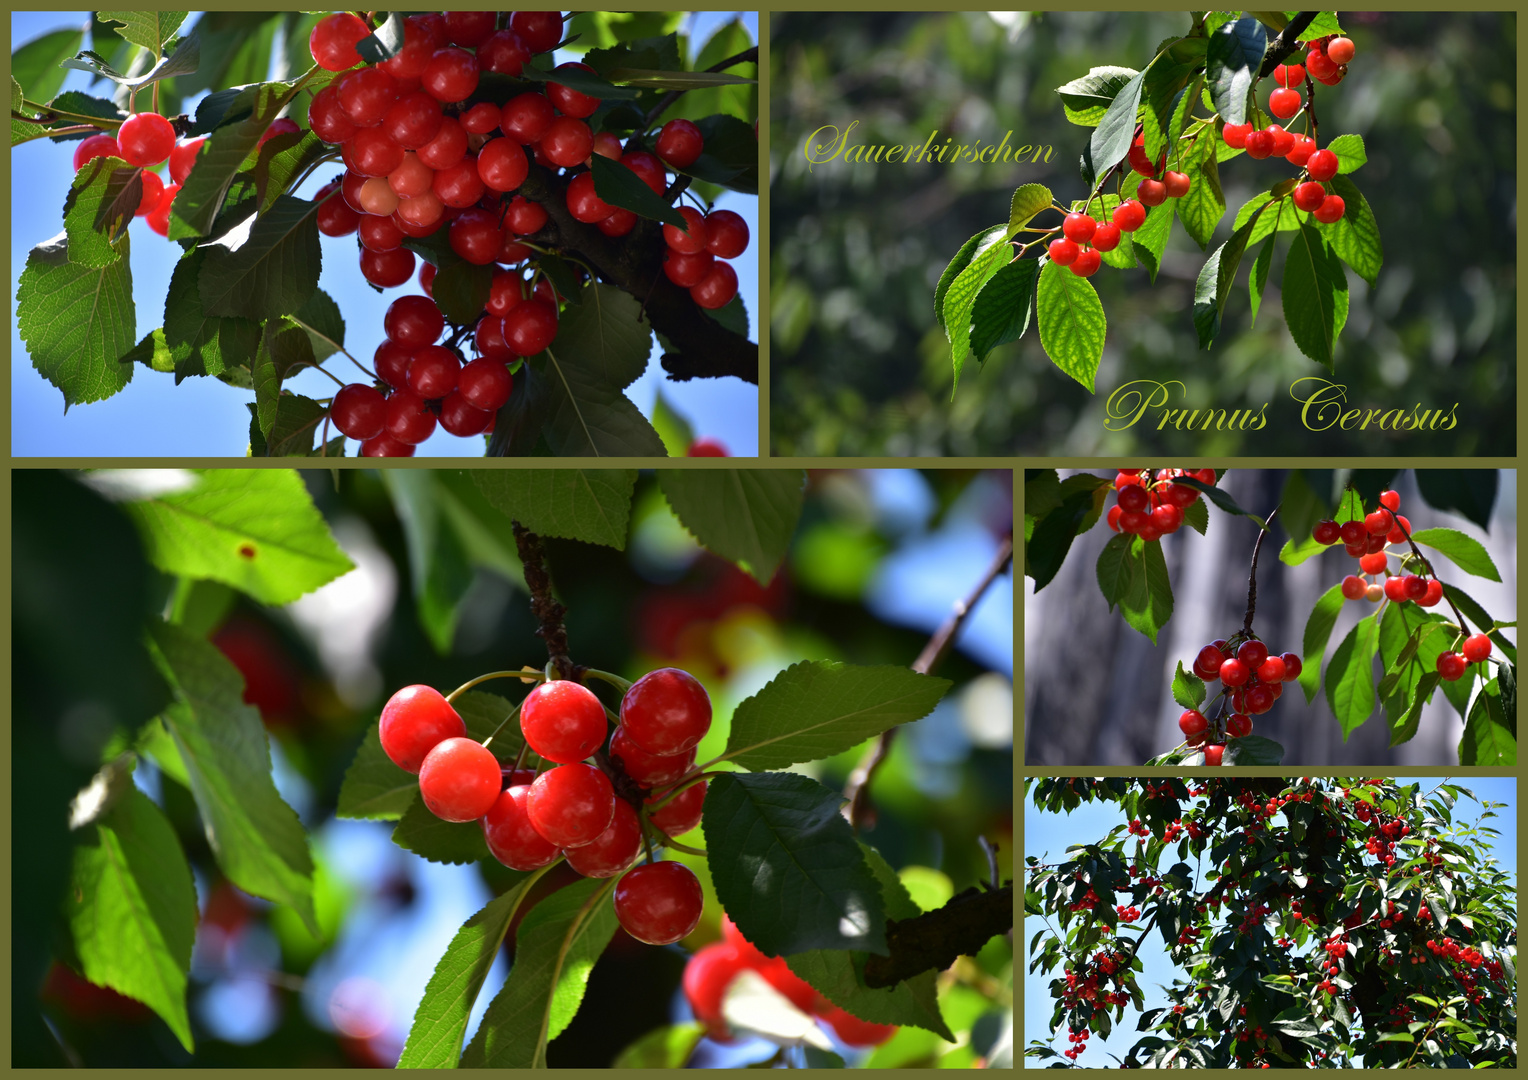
(1272, 617)
(458, 234)
(494, 767)
(1103, 232)
(1255, 922)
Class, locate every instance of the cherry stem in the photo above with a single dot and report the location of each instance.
(669, 842)
(502, 724)
(1252, 574)
(524, 675)
(1464, 627)
(616, 681)
(679, 785)
(340, 348)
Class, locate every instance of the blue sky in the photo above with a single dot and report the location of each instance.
(1049, 835)
(202, 416)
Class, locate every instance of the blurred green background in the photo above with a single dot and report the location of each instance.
(877, 563)
(861, 367)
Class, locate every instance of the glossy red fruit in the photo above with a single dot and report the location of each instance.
(717, 288)
(1079, 228)
(726, 234)
(391, 362)
(567, 142)
(372, 153)
(461, 419)
(571, 804)
(1192, 722)
(681, 813)
(1259, 699)
(1340, 50)
(451, 75)
(1177, 184)
(182, 157)
(409, 419)
(524, 217)
(1063, 252)
(459, 780)
(502, 164)
(433, 371)
(1271, 670)
(1235, 135)
(1476, 648)
(459, 185)
(1401, 530)
(1086, 265)
(1354, 587)
(525, 118)
(614, 849)
(413, 120)
(530, 327)
(1292, 666)
(1284, 102)
(1152, 193)
(367, 95)
(1252, 653)
(511, 837)
(158, 218)
(1207, 663)
(412, 321)
(1299, 154)
(540, 30)
(1239, 725)
(1214, 753)
(422, 35)
(359, 410)
(414, 721)
(568, 101)
(145, 139)
(503, 53)
(447, 148)
(680, 143)
(648, 169)
(153, 191)
(475, 236)
(1434, 593)
(659, 903)
(1331, 209)
(583, 203)
(98, 146)
(1323, 165)
(334, 39)
(335, 217)
(1234, 672)
(1451, 666)
(563, 721)
(1395, 589)
(1106, 237)
(687, 271)
(1309, 196)
(1414, 586)
(1259, 144)
(469, 29)
(853, 1031)
(705, 446)
(1129, 215)
(1289, 75)
(648, 770)
(383, 446)
(666, 711)
(688, 242)
(707, 975)
(485, 384)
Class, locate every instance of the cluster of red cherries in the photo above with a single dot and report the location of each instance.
(1326, 62)
(1366, 540)
(1150, 504)
(713, 968)
(569, 808)
(1253, 679)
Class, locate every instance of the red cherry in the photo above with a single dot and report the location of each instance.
(726, 234)
(682, 813)
(1260, 144)
(614, 849)
(680, 143)
(1177, 184)
(511, 837)
(1207, 663)
(1323, 165)
(1451, 666)
(1283, 141)
(567, 142)
(433, 372)
(540, 30)
(1352, 532)
(1192, 723)
(384, 446)
(856, 1032)
(413, 120)
(387, 268)
(145, 139)
(1289, 74)
(568, 101)
(1434, 593)
(469, 28)
(707, 976)
(1331, 209)
(1259, 700)
(1340, 50)
(1477, 648)
(1284, 103)
(460, 418)
(1130, 215)
(475, 236)
(409, 419)
(563, 721)
(530, 327)
(485, 384)
(367, 95)
(1299, 154)
(1252, 653)
(1087, 262)
(1234, 672)
(372, 153)
(1235, 135)
(359, 410)
(1292, 666)
(1063, 252)
(666, 712)
(1309, 196)
(717, 288)
(412, 321)
(460, 186)
(503, 53)
(182, 157)
(422, 35)
(451, 75)
(687, 271)
(648, 770)
(1326, 532)
(524, 217)
(1106, 237)
(502, 164)
(1239, 726)
(447, 147)
(1272, 670)
(1213, 753)
(1079, 228)
(414, 721)
(689, 242)
(659, 903)
(526, 118)
(571, 804)
(583, 203)
(334, 39)
(1152, 193)
(459, 780)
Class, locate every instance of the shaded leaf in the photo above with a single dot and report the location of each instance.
(746, 516)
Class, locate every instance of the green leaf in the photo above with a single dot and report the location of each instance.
(198, 343)
(427, 836)
(1072, 324)
(1471, 492)
(1315, 296)
(1133, 576)
(747, 516)
(1004, 308)
(1028, 200)
(619, 186)
(100, 206)
(320, 317)
(601, 348)
(1165, 80)
(35, 66)
(1350, 153)
(182, 61)
(818, 708)
(1086, 99)
(1350, 676)
(672, 427)
(592, 505)
(1183, 105)
(254, 529)
(1355, 236)
(1281, 217)
(1046, 548)
(22, 130)
(1323, 25)
(786, 865)
(1216, 279)
(1232, 61)
(281, 352)
(1188, 689)
(1257, 281)
(731, 155)
(255, 836)
(151, 29)
(236, 119)
(1116, 130)
(77, 321)
(1202, 208)
(662, 1048)
(132, 909)
(556, 947)
(1253, 750)
(839, 976)
(1463, 551)
(281, 161)
(957, 265)
(1150, 240)
(438, 565)
(988, 258)
(274, 272)
(440, 1022)
(1487, 739)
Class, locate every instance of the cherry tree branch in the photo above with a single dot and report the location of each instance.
(857, 790)
(547, 609)
(1286, 43)
(1252, 573)
(934, 940)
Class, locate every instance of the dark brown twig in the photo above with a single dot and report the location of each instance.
(544, 606)
(1286, 43)
(857, 790)
(932, 941)
(1252, 573)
